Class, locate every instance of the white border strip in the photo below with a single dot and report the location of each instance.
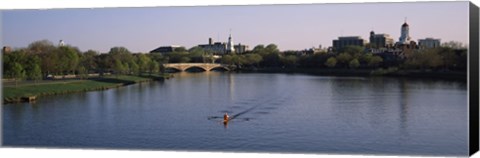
(51, 4)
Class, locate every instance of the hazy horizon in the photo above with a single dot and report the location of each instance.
(291, 27)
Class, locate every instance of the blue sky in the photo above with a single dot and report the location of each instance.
(288, 26)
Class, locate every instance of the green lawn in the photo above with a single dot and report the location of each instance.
(15, 94)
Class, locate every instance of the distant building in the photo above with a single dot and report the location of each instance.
(342, 42)
(405, 42)
(380, 40)
(217, 48)
(404, 34)
(6, 49)
(428, 43)
(240, 49)
(165, 49)
(314, 50)
(230, 45)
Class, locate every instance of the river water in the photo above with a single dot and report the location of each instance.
(272, 113)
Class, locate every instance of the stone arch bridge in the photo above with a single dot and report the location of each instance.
(204, 66)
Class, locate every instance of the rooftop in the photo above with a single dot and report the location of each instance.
(349, 37)
(430, 38)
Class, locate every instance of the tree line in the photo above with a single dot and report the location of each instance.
(41, 59)
(448, 57)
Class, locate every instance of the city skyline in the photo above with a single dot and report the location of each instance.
(291, 27)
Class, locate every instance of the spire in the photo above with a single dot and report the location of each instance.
(404, 35)
(230, 45)
(405, 23)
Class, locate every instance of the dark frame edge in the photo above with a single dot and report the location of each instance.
(473, 79)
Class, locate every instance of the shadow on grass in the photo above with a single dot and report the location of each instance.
(132, 80)
(114, 80)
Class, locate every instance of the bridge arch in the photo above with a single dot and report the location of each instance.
(195, 67)
(219, 68)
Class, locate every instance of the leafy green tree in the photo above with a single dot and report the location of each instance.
(227, 59)
(103, 62)
(73, 60)
(209, 57)
(314, 61)
(154, 67)
(449, 57)
(365, 58)
(119, 50)
(180, 49)
(87, 60)
(354, 51)
(134, 68)
(17, 56)
(432, 58)
(68, 59)
(42, 46)
(82, 72)
(258, 49)
(50, 62)
(178, 57)
(35, 73)
(18, 73)
(454, 45)
(354, 63)
(32, 61)
(331, 62)
(143, 61)
(290, 60)
(7, 67)
(119, 67)
(375, 61)
(344, 58)
(253, 59)
(197, 54)
(272, 48)
(185, 59)
(8, 62)
(271, 59)
(238, 60)
(428, 58)
(161, 59)
(462, 59)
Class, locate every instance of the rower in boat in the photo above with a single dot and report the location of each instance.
(226, 118)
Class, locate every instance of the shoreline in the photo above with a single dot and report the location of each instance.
(30, 93)
(413, 74)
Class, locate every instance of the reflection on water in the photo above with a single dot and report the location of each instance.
(269, 113)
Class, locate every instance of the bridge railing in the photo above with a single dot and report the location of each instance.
(205, 66)
(192, 64)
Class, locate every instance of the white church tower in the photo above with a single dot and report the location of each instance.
(404, 34)
(230, 45)
(61, 43)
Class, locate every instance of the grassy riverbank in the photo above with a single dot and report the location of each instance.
(21, 92)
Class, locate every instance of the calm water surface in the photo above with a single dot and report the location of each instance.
(273, 113)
